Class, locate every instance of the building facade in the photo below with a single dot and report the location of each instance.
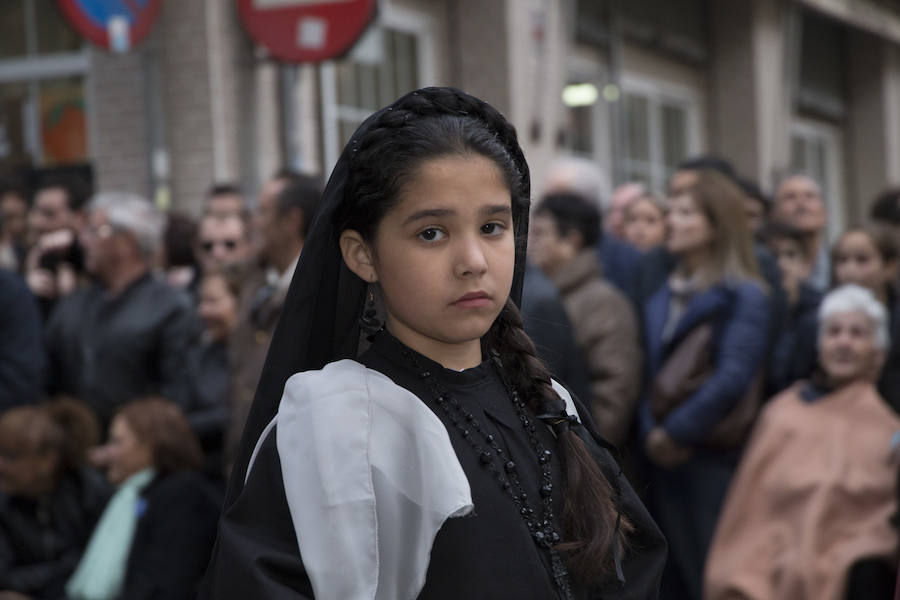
(775, 86)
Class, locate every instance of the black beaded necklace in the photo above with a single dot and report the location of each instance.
(504, 470)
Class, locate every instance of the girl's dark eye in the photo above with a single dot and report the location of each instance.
(431, 235)
(491, 228)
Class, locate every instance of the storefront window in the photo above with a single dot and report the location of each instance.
(392, 58)
(53, 34)
(43, 118)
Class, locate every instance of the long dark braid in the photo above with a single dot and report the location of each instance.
(436, 122)
(590, 514)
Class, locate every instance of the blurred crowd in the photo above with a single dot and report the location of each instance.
(744, 366)
(131, 343)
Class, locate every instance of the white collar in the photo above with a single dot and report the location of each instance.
(364, 514)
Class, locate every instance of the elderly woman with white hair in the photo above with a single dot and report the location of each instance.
(126, 335)
(815, 491)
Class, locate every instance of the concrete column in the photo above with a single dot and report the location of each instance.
(892, 116)
(119, 127)
(750, 106)
(480, 50)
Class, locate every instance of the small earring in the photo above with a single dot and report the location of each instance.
(369, 322)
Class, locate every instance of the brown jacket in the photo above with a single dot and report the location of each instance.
(259, 308)
(607, 334)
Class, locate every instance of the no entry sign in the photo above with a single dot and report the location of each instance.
(112, 24)
(306, 30)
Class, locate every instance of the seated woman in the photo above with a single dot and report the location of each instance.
(156, 534)
(49, 499)
(814, 493)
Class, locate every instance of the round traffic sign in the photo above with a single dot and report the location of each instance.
(112, 24)
(306, 30)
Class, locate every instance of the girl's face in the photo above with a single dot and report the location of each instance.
(847, 350)
(444, 257)
(858, 261)
(689, 230)
(645, 226)
(217, 307)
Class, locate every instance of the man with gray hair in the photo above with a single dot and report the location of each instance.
(584, 178)
(799, 203)
(126, 335)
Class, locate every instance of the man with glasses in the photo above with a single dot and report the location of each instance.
(287, 204)
(222, 242)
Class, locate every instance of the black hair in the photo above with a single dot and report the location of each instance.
(302, 193)
(11, 185)
(387, 157)
(76, 191)
(223, 189)
(572, 212)
(708, 163)
(179, 240)
(431, 124)
(886, 207)
(780, 230)
(288, 174)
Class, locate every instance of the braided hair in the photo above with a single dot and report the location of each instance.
(439, 122)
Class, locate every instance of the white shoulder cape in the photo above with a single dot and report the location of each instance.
(370, 477)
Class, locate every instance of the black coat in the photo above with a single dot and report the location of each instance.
(109, 351)
(175, 533)
(22, 359)
(257, 553)
(41, 541)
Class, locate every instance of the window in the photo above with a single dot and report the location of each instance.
(816, 152)
(43, 65)
(821, 86)
(661, 129)
(392, 58)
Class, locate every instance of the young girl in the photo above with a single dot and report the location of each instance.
(645, 222)
(441, 462)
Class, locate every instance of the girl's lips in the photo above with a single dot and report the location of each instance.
(473, 300)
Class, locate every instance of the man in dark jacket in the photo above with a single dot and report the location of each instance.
(287, 204)
(22, 357)
(127, 335)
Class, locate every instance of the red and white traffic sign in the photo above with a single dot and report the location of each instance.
(306, 30)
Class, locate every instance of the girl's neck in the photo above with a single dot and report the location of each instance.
(456, 356)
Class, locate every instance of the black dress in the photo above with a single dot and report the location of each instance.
(488, 554)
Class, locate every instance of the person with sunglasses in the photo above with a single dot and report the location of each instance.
(286, 207)
(222, 242)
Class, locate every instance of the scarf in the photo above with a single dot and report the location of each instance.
(101, 572)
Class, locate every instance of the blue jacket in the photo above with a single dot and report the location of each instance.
(22, 359)
(740, 313)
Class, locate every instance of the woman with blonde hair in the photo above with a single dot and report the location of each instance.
(705, 330)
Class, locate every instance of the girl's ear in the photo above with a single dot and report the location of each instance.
(358, 255)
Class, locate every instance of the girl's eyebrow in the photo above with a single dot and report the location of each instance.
(428, 213)
(496, 209)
